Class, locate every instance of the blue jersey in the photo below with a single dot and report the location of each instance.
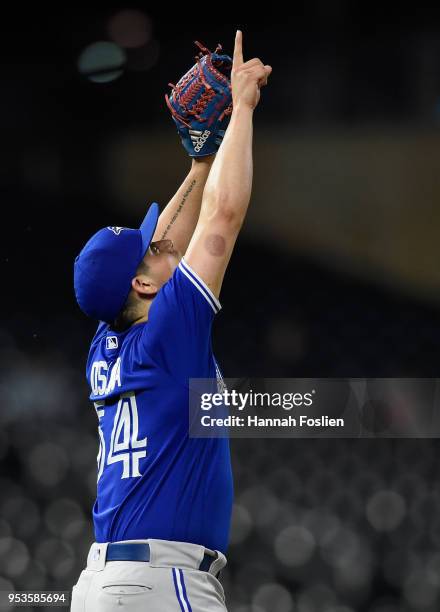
(153, 480)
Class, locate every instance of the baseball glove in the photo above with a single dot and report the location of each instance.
(201, 101)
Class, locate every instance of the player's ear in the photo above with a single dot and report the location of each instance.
(144, 286)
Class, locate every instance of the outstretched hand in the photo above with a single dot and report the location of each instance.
(247, 78)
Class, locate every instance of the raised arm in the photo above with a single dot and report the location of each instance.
(199, 105)
(179, 218)
(228, 188)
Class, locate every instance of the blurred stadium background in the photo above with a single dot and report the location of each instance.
(335, 274)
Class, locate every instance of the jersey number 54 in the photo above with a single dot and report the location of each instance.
(124, 443)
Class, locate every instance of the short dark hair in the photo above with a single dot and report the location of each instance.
(129, 311)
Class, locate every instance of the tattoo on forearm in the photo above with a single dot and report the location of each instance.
(181, 205)
(215, 245)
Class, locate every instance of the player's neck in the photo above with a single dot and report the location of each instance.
(140, 320)
(142, 316)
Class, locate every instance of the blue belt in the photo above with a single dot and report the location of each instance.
(141, 552)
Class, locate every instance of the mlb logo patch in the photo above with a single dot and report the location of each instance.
(111, 342)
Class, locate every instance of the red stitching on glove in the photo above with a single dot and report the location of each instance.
(202, 103)
(196, 77)
(175, 113)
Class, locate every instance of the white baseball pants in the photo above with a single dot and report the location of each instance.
(169, 582)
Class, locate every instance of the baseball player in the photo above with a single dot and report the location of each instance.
(164, 500)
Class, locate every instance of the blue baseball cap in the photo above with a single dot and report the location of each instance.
(105, 267)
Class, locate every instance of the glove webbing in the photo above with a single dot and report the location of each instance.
(186, 97)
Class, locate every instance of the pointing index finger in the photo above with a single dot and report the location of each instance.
(238, 49)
